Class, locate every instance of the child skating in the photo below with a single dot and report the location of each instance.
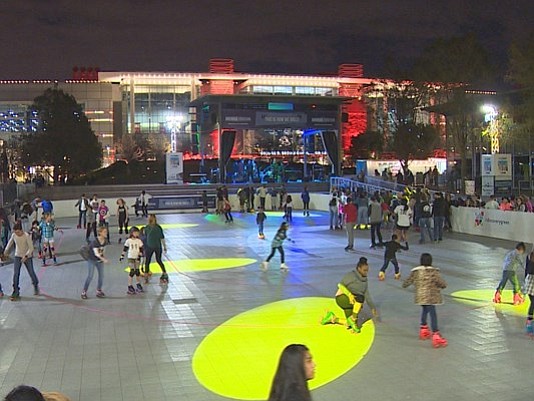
(47, 227)
(390, 255)
(96, 260)
(277, 244)
(428, 284)
(512, 261)
(122, 217)
(23, 254)
(529, 290)
(133, 247)
(260, 220)
(352, 292)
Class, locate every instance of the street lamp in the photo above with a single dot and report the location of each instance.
(490, 117)
(173, 124)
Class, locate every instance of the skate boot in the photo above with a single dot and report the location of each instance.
(100, 294)
(264, 265)
(14, 297)
(36, 290)
(438, 341)
(529, 328)
(518, 299)
(328, 318)
(84, 295)
(131, 290)
(497, 297)
(147, 276)
(261, 236)
(55, 260)
(284, 267)
(1, 293)
(164, 279)
(381, 276)
(424, 333)
(139, 288)
(353, 324)
(397, 276)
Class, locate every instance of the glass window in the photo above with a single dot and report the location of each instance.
(283, 90)
(305, 90)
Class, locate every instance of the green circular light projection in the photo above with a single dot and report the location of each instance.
(485, 298)
(197, 265)
(238, 359)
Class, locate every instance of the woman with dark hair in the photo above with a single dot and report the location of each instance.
(24, 393)
(351, 294)
(403, 215)
(295, 368)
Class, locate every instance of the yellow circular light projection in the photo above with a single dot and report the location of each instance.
(297, 213)
(197, 265)
(238, 359)
(485, 298)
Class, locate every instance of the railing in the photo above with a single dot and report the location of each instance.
(371, 185)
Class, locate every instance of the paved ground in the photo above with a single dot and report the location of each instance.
(141, 347)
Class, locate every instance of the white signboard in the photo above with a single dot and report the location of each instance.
(503, 166)
(487, 165)
(174, 168)
(488, 185)
(513, 226)
(469, 187)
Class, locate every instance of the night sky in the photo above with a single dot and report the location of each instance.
(44, 39)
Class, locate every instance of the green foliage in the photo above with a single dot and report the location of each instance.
(413, 141)
(367, 145)
(521, 73)
(64, 138)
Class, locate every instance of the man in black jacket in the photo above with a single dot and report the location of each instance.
(438, 212)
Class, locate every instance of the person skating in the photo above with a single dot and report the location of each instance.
(305, 196)
(96, 260)
(390, 255)
(512, 261)
(353, 291)
(82, 205)
(277, 244)
(91, 224)
(47, 226)
(529, 290)
(350, 215)
(155, 243)
(103, 216)
(122, 217)
(23, 254)
(260, 219)
(133, 248)
(424, 219)
(428, 285)
(227, 207)
(375, 219)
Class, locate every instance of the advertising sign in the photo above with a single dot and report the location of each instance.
(488, 185)
(174, 168)
(469, 187)
(487, 165)
(503, 166)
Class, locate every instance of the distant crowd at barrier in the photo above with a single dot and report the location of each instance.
(521, 203)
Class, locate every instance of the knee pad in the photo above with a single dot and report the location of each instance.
(359, 298)
(137, 272)
(132, 272)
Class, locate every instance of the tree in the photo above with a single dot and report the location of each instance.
(454, 64)
(367, 145)
(521, 74)
(64, 138)
(408, 132)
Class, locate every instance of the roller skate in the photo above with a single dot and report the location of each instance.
(397, 276)
(84, 295)
(36, 290)
(100, 294)
(139, 288)
(518, 299)
(438, 341)
(381, 276)
(261, 236)
(353, 324)
(131, 290)
(147, 276)
(497, 297)
(264, 265)
(284, 267)
(328, 318)
(424, 333)
(164, 279)
(529, 328)
(14, 297)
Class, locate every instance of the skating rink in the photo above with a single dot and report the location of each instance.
(216, 331)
